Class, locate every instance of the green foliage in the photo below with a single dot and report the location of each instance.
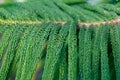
(105, 73)
(51, 41)
(54, 50)
(22, 51)
(96, 54)
(10, 52)
(63, 64)
(36, 48)
(43, 10)
(47, 40)
(114, 33)
(87, 54)
(72, 53)
(69, 54)
(5, 39)
(111, 8)
(81, 50)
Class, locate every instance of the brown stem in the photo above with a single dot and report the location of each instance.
(87, 24)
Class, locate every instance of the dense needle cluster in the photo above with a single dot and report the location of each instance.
(34, 46)
(57, 10)
(55, 52)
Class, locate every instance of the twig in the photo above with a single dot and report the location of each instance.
(87, 24)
